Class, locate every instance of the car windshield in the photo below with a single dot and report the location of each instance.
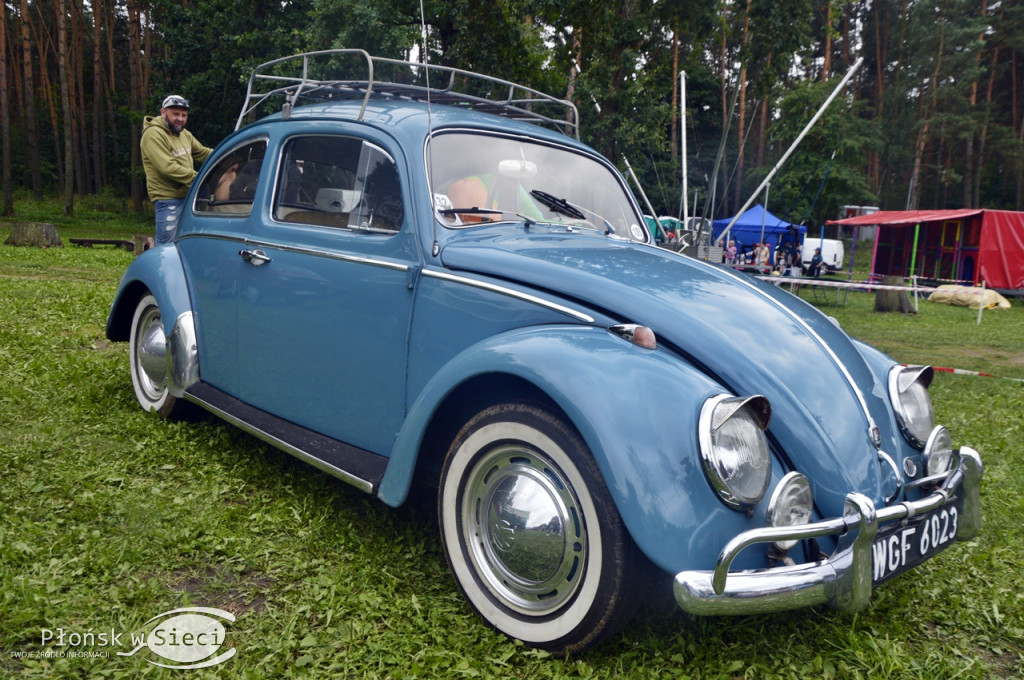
(480, 179)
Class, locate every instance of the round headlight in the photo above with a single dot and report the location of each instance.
(938, 451)
(734, 448)
(791, 505)
(908, 391)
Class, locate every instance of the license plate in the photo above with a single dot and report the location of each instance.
(907, 545)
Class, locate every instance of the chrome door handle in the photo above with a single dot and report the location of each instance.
(255, 257)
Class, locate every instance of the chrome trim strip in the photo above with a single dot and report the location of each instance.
(182, 355)
(843, 580)
(330, 255)
(873, 431)
(501, 290)
(885, 457)
(343, 475)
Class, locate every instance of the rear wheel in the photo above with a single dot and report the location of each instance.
(149, 368)
(531, 533)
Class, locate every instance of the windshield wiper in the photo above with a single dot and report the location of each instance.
(558, 205)
(470, 211)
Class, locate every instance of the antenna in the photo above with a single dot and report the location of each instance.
(435, 249)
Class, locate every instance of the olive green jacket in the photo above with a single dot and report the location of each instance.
(168, 159)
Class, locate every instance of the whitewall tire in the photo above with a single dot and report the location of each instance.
(148, 357)
(531, 533)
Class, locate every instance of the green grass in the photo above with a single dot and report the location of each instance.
(109, 516)
(103, 216)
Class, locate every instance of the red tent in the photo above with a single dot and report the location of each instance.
(970, 245)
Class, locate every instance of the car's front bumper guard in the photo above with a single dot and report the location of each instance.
(843, 580)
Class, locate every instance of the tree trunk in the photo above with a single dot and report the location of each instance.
(983, 136)
(29, 104)
(97, 89)
(826, 69)
(927, 111)
(893, 300)
(741, 119)
(46, 52)
(135, 100)
(7, 204)
(76, 66)
(65, 99)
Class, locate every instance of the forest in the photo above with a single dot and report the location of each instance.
(932, 118)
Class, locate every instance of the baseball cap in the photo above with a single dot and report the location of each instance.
(174, 100)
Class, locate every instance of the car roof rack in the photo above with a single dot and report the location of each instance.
(305, 78)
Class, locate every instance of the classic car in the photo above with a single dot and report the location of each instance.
(426, 277)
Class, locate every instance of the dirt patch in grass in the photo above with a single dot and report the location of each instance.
(224, 588)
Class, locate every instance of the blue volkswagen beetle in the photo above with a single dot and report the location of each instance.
(428, 278)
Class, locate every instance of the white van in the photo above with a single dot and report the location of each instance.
(832, 253)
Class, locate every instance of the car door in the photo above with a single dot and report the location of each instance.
(225, 210)
(325, 294)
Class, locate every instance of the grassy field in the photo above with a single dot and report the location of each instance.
(109, 516)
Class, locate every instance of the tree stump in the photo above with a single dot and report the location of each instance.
(38, 234)
(142, 242)
(893, 300)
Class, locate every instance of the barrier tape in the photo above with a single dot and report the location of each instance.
(861, 285)
(864, 285)
(960, 371)
(959, 282)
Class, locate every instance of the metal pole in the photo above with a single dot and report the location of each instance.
(796, 142)
(682, 119)
(913, 252)
(981, 303)
(764, 215)
(640, 189)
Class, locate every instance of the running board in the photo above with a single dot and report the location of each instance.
(362, 469)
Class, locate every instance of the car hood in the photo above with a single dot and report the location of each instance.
(751, 337)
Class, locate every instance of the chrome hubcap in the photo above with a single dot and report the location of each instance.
(524, 530)
(151, 354)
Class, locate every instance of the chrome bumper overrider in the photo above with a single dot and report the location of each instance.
(843, 580)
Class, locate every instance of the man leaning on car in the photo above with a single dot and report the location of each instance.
(169, 155)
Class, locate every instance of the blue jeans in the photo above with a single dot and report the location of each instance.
(167, 213)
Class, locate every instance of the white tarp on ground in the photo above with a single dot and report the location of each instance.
(969, 296)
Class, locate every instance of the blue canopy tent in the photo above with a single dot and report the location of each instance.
(758, 225)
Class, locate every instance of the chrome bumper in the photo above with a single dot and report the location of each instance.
(843, 580)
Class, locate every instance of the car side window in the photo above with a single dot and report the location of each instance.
(339, 182)
(229, 187)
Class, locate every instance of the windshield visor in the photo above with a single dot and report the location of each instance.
(480, 179)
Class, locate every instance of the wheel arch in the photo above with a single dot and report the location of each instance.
(462, 403)
(160, 272)
(608, 390)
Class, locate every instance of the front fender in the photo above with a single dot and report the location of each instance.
(636, 409)
(160, 271)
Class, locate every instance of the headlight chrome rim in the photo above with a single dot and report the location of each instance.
(908, 392)
(793, 492)
(938, 452)
(740, 478)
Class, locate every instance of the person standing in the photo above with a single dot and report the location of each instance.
(816, 263)
(169, 155)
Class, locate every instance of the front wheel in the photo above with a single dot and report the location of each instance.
(531, 533)
(149, 367)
